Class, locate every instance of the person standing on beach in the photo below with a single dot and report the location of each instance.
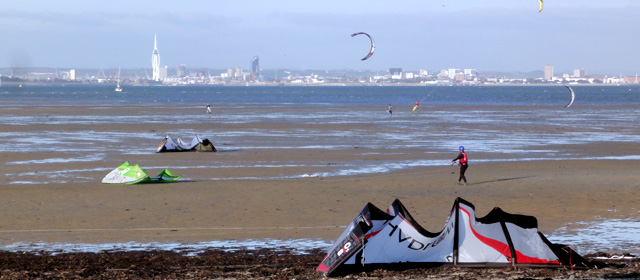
(209, 110)
(390, 110)
(463, 162)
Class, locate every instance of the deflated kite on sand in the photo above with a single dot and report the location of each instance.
(133, 174)
(194, 145)
(394, 240)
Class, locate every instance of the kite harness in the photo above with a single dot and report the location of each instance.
(463, 160)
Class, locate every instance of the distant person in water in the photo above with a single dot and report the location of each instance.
(209, 110)
(463, 162)
(417, 107)
(390, 110)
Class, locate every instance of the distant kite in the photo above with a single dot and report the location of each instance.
(541, 4)
(373, 44)
(573, 96)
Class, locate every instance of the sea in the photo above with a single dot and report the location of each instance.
(478, 114)
(101, 95)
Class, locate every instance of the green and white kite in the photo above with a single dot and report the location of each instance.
(128, 174)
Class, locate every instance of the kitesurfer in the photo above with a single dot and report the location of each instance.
(417, 107)
(209, 110)
(390, 110)
(463, 162)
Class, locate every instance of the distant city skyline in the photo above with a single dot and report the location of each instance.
(183, 75)
(489, 35)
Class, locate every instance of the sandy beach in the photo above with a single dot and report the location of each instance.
(200, 207)
(280, 179)
(557, 193)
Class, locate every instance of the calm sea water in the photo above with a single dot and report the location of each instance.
(326, 95)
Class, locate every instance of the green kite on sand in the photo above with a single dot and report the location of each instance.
(127, 174)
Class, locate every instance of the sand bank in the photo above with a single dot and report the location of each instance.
(209, 204)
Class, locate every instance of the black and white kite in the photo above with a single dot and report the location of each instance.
(573, 96)
(373, 44)
(394, 240)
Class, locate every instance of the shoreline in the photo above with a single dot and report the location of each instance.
(261, 84)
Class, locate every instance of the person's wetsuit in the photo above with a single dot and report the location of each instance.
(463, 162)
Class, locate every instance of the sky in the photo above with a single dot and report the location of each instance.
(491, 35)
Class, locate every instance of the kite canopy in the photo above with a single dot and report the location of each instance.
(133, 174)
(541, 4)
(573, 96)
(194, 145)
(394, 240)
(373, 44)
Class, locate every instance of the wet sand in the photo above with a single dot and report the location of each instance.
(200, 208)
(556, 192)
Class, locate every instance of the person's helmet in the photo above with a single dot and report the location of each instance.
(461, 148)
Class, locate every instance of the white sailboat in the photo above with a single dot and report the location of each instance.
(118, 88)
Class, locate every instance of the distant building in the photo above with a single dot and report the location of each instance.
(631, 79)
(453, 72)
(459, 77)
(255, 68)
(181, 70)
(155, 61)
(579, 73)
(470, 72)
(72, 74)
(613, 80)
(395, 71)
(443, 74)
(163, 72)
(548, 72)
(238, 73)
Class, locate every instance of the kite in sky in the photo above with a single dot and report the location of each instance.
(541, 4)
(373, 44)
(573, 96)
